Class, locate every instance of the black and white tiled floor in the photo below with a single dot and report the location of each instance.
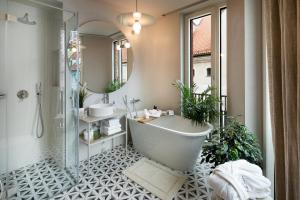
(106, 180)
(39, 181)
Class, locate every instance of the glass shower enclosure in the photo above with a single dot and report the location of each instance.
(38, 99)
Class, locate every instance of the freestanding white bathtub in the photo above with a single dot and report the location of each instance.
(170, 140)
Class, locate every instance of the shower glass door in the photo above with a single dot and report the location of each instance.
(38, 115)
(72, 94)
(3, 137)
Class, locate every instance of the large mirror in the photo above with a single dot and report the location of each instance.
(106, 57)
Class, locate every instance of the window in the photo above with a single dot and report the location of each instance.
(223, 51)
(116, 61)
(200, 48)
(206, 52)
(208, 72)
(120, 59)
(223, 64)
(206, 42)
(124, 65)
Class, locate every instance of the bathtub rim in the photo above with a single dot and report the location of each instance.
(188, 134)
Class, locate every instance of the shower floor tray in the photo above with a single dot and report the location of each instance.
(41, 180)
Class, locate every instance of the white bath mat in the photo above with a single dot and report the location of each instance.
(158, 179)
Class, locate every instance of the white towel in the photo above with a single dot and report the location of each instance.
(113, 131)
(239, 179)
(112, 122)
(154, 113)
(109, 128)
(222, 189)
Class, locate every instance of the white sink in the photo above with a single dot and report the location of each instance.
(101, 110)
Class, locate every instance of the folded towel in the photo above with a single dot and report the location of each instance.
(109, 128)
(239, 179)
(154, 113)
(112, 122)
(113, 131)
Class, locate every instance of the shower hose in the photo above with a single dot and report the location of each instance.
(40, 120)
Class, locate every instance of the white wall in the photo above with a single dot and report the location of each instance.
(236, 58)
(31, 55)
(245, 63)
(254, 67)
(24, 61)
(156, 54)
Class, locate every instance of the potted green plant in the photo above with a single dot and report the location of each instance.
(200, 108)
(232, 142)
(82, 95)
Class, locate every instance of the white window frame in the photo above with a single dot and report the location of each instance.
(214, 11)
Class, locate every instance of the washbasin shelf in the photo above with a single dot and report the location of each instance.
(90, 119)
(117, 113)
(102, 138)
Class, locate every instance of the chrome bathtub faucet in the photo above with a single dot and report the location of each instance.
(133, 101)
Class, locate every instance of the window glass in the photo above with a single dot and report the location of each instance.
(201, 52)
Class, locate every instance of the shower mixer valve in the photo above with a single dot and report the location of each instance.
(22, 94)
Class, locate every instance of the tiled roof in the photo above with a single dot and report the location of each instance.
(202, 36)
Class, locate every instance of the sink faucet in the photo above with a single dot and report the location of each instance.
(105, 98)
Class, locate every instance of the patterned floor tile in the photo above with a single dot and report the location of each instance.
(41, 180)
(107, 182)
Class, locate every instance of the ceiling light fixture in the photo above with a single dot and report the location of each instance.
(135, 19)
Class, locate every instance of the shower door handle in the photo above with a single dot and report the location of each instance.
(2, 95)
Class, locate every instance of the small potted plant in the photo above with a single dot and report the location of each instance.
(82, 95)
(200, 108)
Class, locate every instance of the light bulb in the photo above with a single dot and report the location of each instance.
(74, 49)
(137, 27)
(137, 15)
(127, 45)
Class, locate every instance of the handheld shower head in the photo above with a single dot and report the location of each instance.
(25, 20)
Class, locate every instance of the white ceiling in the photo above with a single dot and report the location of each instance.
(153, 7)
(98, 28)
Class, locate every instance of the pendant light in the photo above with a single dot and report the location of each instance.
(135, 19)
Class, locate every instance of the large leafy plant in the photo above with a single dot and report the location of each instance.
(232, 142)
(199, 108)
